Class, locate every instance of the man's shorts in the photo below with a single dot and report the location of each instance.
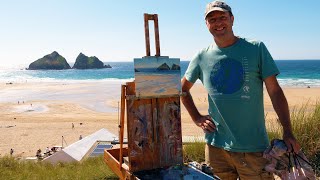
(233, 165)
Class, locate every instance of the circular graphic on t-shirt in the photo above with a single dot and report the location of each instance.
(227, 76)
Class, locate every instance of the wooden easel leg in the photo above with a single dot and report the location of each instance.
(122, 111)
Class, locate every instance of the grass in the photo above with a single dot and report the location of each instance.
(92, 168)
(194, 151)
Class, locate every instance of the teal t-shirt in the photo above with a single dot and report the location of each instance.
(233, 78)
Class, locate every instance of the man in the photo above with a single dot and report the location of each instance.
(233, 70)
(47, 151)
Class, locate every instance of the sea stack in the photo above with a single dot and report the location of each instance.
(51, 61)
(163, 66)
(85, 62)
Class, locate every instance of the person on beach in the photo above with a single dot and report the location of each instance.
(11, 151)
(38, 153)
(233, 69)
(47, 151)
(72, 126)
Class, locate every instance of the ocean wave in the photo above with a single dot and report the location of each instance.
(292, 82)
(295, 82)
(24, 79)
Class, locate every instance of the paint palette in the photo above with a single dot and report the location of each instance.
(173, 172)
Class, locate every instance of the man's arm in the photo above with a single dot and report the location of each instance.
(204, 122)
(280, 105)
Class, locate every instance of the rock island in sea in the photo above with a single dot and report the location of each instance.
(50, 61)
(85, 62)
(55, 61)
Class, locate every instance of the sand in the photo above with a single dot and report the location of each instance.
(46, 110)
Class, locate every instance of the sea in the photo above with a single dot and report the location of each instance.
(293, 73)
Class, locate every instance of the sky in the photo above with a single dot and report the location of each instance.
(113, 30)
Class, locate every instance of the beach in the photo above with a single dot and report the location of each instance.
(40, 114)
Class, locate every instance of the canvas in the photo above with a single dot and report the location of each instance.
(157, 76)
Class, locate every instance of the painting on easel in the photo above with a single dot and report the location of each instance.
(157, 76)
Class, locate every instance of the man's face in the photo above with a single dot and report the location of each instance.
(220, 23)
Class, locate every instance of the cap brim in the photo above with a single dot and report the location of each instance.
(215, 9)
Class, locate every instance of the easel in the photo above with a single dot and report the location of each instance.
(153, 125)
(153, 121)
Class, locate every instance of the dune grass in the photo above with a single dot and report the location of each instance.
(305, 122)
(194, 151)
(91, 168)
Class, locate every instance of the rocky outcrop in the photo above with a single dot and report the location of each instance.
(50, 61)
(85, 62)
(163, 66)
(107, 66)
(175, 67)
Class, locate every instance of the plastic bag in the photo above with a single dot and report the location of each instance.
(285, 164)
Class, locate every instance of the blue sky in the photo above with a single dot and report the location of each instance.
(113, 30)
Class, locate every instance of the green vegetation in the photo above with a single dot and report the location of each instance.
(194, 151)
(91, 168)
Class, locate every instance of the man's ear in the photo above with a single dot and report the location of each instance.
(206, 22)
(232, 20)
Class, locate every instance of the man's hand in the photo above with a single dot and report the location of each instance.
(206, 124)
(291, 142)
(281, 107)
